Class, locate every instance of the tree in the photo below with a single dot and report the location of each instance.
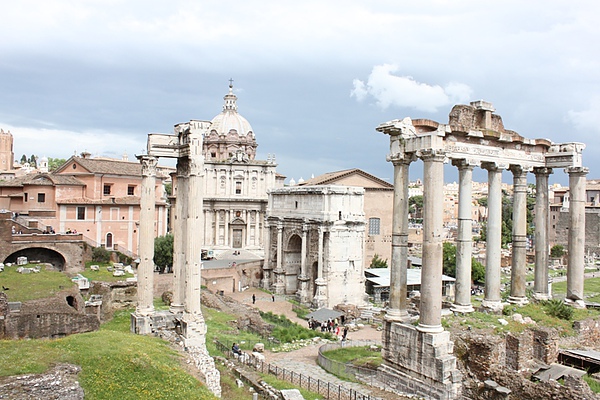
(169, 188)
(477, 271)
(415, 206)
(33, 161)
(557, 251)
(55, 163)
(377, 262)
(449, 259)
(163, 252)
(23, 159)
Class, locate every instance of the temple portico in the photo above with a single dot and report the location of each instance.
(474, 137)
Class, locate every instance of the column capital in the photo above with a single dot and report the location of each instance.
(401, 158)
(494, 165)
(542, 171)
(462, 163)
(148, 165)
(581, 171)
(435, 155)
(519, 170)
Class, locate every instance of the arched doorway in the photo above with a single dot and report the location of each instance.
(109, 240)
(238, 227)
(292, 263)
(39, 254)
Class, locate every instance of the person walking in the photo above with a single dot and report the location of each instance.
(253, 298)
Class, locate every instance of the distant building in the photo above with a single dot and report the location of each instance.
(99, 198)
(7, 155)
(235, 183)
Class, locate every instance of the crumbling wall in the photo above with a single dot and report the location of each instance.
(115, 296)
(588, 331)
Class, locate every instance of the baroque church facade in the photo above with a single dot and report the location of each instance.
(235, 182)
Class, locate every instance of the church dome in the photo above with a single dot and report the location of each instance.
(229, 120)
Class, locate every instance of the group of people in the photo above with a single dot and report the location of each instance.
(332, 325)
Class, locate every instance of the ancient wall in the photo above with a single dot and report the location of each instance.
(588, 331)
(592, 230)
(115, 296)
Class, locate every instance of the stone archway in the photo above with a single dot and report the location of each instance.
(238, 236)
(291, 262)
(39, 254)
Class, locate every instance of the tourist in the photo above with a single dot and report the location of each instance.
(236, 349)
(253, 298)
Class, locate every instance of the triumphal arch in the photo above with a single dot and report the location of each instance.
(185, 314)
(420, 359)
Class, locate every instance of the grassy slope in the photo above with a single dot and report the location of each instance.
(24, 287)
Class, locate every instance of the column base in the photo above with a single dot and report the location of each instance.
(430, 328)
(541, 296)
(141, 324)
(518, 300)
(396, 315)
(462, 308)
(579, 304)
(193, 330)
(176, 308)
(492, 305)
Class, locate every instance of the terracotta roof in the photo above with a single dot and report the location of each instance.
(129, 200)
(332, 177)
(42, 180)
(103, 166)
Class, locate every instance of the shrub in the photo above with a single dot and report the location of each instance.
(557, 308)
(100, 254)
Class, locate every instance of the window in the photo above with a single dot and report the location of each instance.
(80, 213)
(41, 197)
(130, 190)
(25, 197)
(238, 188)
(374, 224)
(106, 189)
(109, 240)
(213, 154)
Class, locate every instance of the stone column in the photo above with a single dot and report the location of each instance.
(576, 239)
(398, 281)
(320, 299)
(179, 235)
(540, 287)
(226, 229)
(303, 278)
(257, 228)
(492, 299)
(279, 272)
(145, 286)
(464, 241)
(266, 281)
(247, 228)
(433, 231)
(518, 284)
(217, 227)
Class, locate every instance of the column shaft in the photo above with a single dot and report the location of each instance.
(576, 239)
(464, 244)
(540, 287)
(194, 239)
(179, 234)
(519, 237)
(398, 280)
(492, 299)
(145, 284)
(431, 275)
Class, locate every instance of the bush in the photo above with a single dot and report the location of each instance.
(557, 308)
(100, 254)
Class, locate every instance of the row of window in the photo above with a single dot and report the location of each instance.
(41, 197)
(107, 190)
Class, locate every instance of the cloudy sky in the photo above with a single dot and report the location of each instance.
(314, 78)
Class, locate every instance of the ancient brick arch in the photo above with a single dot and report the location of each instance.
(42, 254)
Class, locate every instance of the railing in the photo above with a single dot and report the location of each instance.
(347, 371)
(330, 391)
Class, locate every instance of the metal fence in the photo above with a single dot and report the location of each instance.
(347, 371)
(328, 390)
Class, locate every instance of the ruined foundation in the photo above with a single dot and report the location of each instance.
(420, 363)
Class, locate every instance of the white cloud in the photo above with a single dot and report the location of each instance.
(588, 119)
(390, 90)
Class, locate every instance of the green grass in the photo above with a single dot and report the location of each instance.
(32, 286)
(279, 384)
(357, 356)
(592, 383)
(591, 289)
(103, 274)
(115, 363)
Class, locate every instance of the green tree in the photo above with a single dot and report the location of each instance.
(449, 259)
(557, 251)
(55, 163)
(377, 262)
(169, 188)
(477, 271)
(415, 206)
(100, 254)
(23, 159)
(33, 161)
(163, 252)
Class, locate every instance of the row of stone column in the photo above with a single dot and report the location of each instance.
(213, 235)
(431, 276)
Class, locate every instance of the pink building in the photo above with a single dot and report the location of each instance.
(99, 198)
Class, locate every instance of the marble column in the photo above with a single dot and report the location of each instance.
(540, 287)
(257, 228)
(576, 239)
(279, 272)
(320, 299)
(397, 311)
(247, 212)
(179, 235)
(303, 278)
(217, 227)
(145, 285)
(518, 283)
(492, 299)
(430, 320)
(226, 222)
(266, 280)
(464, 240)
